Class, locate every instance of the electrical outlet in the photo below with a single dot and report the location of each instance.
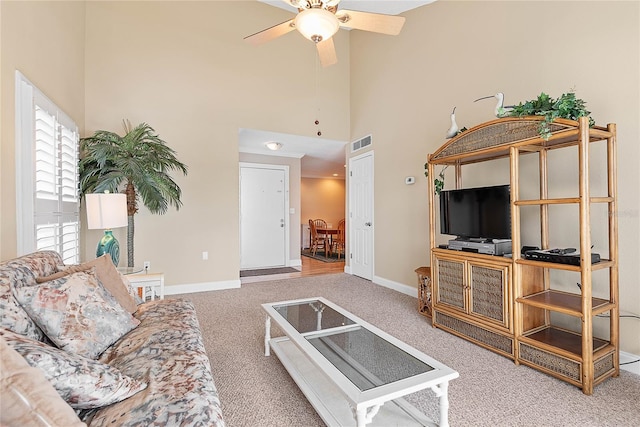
(205, 255)
(147, 265)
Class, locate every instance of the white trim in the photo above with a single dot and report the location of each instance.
(45, 216)
(25, 231)
(287, 220)
(350, 233)
(190, 288)
(412, 291)
(295, 262)
(629, 357)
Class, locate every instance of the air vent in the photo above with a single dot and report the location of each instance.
(361, 143)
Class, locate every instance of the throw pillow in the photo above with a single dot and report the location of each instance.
(77, 313)
(12, 315)
(107, 274)
(28, 399)
(83, 383)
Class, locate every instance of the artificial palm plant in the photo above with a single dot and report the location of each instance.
(138, 163)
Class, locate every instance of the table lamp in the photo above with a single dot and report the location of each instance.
(107, 211)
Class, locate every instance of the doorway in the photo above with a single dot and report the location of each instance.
(264, 224)
(361, 215)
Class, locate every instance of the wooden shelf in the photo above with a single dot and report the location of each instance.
(561, 340)
(604, 263)
(561, 201)
(564, 302)
(527, 298)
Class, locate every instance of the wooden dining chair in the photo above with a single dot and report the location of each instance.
(337, 244)
(318, 240)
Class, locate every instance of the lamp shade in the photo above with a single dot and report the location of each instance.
(106, 210)
(317, 24)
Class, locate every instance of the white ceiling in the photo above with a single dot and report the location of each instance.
(389, 7)
(320, 158)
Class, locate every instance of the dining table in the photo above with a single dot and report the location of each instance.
(330, 232)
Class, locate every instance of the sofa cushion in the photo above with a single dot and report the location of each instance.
(83, 383)
(108, 275)
(28, 399)
(168, 353)
(77, 313)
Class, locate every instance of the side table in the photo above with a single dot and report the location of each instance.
(150, 285)
(424, 290)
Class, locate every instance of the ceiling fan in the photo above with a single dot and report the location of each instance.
(319, 20)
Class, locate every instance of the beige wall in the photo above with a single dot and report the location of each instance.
(44, 41)
(183, 68)
(188, 73)
(322, 199)
(451, 52)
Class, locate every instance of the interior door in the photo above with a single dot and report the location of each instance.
(361, 215)
(264, 226)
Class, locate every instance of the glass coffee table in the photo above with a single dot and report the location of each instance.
(350, 371)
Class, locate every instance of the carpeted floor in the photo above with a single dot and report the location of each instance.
(491, 391)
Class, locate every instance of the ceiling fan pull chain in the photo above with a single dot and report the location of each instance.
(317, 122)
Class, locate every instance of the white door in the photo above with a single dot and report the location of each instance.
(264, 201)
(361, 215)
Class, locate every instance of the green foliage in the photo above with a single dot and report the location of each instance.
(111, 162)
(567, 106)
(439, 180)
(137, 164)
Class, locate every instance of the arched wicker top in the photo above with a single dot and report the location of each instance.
(493, 139)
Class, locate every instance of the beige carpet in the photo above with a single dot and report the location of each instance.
(492, 391)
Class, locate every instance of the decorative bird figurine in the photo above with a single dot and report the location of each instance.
(500, 110)
(453, 130)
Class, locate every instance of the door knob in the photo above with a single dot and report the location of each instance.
(368, 224)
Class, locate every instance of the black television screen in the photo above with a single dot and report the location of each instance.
(476, 212)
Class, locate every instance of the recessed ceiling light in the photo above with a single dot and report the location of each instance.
(335, 174)
(273, 145)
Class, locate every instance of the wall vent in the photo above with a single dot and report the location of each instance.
(361, 143)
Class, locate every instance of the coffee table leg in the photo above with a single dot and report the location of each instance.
(441, 391)
(364, 416)
(267, 336)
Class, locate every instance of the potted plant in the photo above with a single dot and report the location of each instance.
(137, 163)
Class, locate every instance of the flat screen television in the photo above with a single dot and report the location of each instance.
(476, 213)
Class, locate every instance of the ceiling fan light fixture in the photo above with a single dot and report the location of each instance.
(317, 24)
(273, 145)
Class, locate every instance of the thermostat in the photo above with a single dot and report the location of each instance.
(410, 180)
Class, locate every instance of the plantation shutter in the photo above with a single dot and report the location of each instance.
(48, 143)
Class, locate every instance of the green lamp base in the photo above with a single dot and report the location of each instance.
(109, 244)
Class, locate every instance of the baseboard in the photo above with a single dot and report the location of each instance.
(631, 367)
(295, 263)
(396, 286)
(201, 287)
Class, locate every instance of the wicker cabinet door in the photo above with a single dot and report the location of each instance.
(489, 293)
(451, 283)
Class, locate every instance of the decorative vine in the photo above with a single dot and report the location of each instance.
(567, 106)
(439, 180)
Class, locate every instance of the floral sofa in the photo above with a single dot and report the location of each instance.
(78, 348)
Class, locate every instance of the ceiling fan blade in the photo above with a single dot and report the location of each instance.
(271, 33)
(327, 52)
(378, 23)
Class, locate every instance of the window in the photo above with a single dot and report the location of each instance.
(48, 204)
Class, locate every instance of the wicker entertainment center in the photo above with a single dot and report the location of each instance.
(509, 304)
